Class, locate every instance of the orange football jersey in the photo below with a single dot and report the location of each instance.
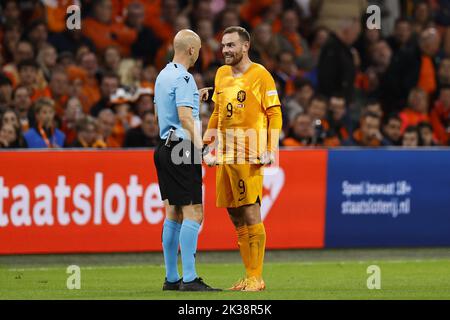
(241, 103)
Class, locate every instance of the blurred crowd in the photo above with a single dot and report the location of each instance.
(340, 82)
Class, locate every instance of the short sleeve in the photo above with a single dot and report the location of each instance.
(185, 88)
(269, 94)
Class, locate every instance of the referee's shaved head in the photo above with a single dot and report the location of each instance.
(187, 44)
(184, 39)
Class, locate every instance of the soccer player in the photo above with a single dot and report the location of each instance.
(178, 162)
(246, 100)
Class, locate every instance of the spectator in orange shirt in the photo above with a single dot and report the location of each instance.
(270, 15)
(72, 113)
(368, 135)
(79, 87)
(120, 103)
(59, 89)
(410, 137)
(28, 73)
(417, 109)
(440, 116)
(106, 122)
(298, 45)
(286, 73)
(55, 12)
(163, 24)
(104, 32)
(429, 42)
(251, 11)
(152, 9)
(91, 84)
(23, 51)
(87, 134)
(301, 131)
(338, 119)
(318, 109)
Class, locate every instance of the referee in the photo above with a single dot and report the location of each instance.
(178, 162)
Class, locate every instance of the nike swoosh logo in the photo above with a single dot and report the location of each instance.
(219, 92)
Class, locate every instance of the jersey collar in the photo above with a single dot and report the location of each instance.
(178, 65)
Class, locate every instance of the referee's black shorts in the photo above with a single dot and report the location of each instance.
(179, 183)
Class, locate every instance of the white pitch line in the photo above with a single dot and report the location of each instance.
(307, 263)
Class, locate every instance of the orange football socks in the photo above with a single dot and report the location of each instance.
(257, 242)
(244, 246)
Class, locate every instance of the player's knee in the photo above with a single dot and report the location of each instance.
(236, 217)
(252, 214)
(193, 212)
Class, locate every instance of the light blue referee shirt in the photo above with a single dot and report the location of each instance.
(175, 87)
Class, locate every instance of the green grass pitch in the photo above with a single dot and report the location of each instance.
(313, 274)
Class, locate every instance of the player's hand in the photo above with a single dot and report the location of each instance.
(204, 93)
(267, 158)
(210, 159)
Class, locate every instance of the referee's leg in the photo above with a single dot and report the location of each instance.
(170, 242)
(182, 184)
(192, 218)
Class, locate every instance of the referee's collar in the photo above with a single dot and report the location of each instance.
(178, 65)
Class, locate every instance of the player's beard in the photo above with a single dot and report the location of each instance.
(235, 59)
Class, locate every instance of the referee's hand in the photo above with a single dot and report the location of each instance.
(210, 159)
(267, 158)
(204, 94)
